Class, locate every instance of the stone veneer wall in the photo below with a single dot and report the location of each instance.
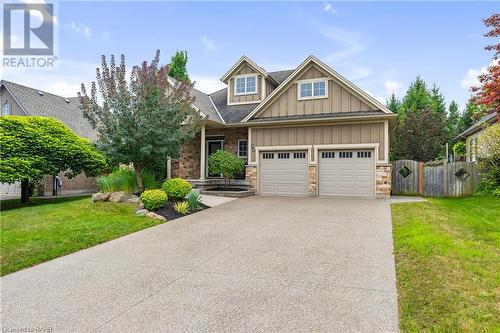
(251, 177)
(312, 181)
(188, 165)
(383, 180)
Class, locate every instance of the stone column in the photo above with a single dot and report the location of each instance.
(202, 152)
(251, 176)
(312, 180)
(384, 177)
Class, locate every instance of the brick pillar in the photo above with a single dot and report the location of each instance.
(383, 179)
(312, 181)
(251, 176)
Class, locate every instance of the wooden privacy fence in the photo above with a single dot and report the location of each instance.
(434, 179)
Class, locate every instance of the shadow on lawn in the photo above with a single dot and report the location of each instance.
(34, 201)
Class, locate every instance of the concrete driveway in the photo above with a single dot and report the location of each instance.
(256, 264)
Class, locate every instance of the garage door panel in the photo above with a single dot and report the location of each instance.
(283, 173)
(348, 173)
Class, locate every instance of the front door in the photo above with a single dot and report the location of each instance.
(212, 147)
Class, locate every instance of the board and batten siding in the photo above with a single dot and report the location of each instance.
(320, 134)
(339, 100)
(245, 69)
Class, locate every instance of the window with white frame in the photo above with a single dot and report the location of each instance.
(6, 109)
(242, 148)
(244, 85)
(313, 89)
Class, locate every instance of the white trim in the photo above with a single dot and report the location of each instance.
(386, 141)
(238, 150)
(245, 77)
(312, 81)
(249, 146)
(312, 59)
(243, 58)
(216, 109)
(257, 101)
(315, 148)
(202, 152)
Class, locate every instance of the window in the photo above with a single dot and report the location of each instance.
(245, 85)
(327, 154)
(299, 155)
(345, 154)
(242, 148)
(283, 156)
(6, 109)
(268, 156)
(364, 154)
(313, 89)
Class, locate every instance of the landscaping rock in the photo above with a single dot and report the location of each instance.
(141, 206)
(117, 196)
(156, 216)
(100, 196)
(130, 198)
(143, 212)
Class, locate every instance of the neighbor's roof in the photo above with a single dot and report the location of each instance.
(477, 125)
(43, 104)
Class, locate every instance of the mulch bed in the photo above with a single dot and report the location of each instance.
(168, 211)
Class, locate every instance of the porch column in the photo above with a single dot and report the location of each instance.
(202, 152)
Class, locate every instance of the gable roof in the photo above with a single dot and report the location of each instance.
(489, 118)
(313, 60)
(230, 113)
(66, 110)
(234, 67)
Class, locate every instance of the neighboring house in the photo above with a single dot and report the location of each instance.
(19, 100)
(302, 132)
(472, 133)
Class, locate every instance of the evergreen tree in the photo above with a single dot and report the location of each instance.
(177, 66)
(452, 120)
(437, 104)
(417, 97)
(393, 104)
(466, 119)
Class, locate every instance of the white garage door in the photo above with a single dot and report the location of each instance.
(347, 173)
(283, 173)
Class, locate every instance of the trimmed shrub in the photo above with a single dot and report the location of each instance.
(176, 188)
(194, 201)
(226, 164)
(153, 199)
(182, 207)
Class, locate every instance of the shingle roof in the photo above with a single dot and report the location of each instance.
(477, 125)
(202, 102)
(280, 76)
(66, 110)
(231, 113)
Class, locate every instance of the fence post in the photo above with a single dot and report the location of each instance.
(421, 178)
(445, 178)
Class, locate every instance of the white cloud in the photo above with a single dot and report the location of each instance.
(471, 80)
(208, 84)
(209, 44)
(392, 87)
(79, 28)
(329, 8)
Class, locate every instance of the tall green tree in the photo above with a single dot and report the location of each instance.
(393, 104)
(436, 102)
(466, 118)
(416, 98)
(452, 120)
(177, 66)
(33, 147)
(143, 121)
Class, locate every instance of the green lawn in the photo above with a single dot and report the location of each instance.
(46, 229)
(448, 264)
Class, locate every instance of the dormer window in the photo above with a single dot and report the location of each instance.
(6, 109)
(245, 84)
(312, 89)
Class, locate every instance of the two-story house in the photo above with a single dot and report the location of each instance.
(302, 132)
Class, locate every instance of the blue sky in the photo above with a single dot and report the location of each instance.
(381, 46)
